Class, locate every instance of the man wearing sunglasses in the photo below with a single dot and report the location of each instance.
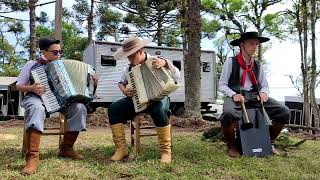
(35, 112)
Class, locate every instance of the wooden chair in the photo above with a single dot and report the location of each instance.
(60, 131)
(138, 131)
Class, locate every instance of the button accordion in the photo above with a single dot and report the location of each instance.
(150, 84)
(65, 81)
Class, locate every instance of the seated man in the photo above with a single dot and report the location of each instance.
(242, 72)
(35, 111)
(122, 110)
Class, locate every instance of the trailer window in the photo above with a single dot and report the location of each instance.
(206, 67)
(108, 61)
(177, 64)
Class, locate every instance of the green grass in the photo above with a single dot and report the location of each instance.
(194, 158)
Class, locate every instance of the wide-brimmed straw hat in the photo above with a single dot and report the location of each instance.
(130, 46)
(249, 35)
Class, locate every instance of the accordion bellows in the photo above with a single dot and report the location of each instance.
(65, 81)
(150, 84)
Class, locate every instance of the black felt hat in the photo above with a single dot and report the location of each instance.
(249, 35)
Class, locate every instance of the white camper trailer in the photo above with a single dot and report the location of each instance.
(99, 55)
(9, 98)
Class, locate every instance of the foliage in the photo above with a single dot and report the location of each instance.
(7, 6)
(154, 19)
(233, 17)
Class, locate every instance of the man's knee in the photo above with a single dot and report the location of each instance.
(112, 110)
(284, 115)
(36, 107)
(80, 108)
(227, 118)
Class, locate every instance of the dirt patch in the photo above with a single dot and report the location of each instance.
(8, 137)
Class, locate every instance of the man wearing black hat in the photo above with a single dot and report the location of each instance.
(35, 112)
(244, 75)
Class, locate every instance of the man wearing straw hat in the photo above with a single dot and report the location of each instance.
(244, 74)
(122, 110)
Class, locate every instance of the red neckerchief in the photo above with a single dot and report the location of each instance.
(42, 61)
(245, 70)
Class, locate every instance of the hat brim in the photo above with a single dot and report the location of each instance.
(237, 42)
(120, 54)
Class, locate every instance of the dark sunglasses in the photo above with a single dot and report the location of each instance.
(56, 52)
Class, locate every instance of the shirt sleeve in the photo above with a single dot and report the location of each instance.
(264, 82)
(174, 70)
(123, 78)
(224, 78)
(24, 76)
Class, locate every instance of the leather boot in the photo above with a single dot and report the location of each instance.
(119, 140)
(66, 149)
(230, 140)
(164, 137)
(32, 154)
(275, 129)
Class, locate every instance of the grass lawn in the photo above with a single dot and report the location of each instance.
(194, 158)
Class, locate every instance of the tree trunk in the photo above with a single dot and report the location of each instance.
(306, 109)
(33, 41)
(90, 22)
(314, 106)
(159, 28)
(58, 21)
(192, 62)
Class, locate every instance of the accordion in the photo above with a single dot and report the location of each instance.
(150, 84)
(65, 81)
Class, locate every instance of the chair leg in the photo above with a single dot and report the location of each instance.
(170, 122)
(137, 127)
(63, 127)
(24, 139)
(132, 128)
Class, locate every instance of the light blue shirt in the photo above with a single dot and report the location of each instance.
(226, 73)
(24, 76)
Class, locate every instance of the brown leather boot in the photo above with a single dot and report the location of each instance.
(275, 129)
(119, 140)
(32, 154)
(230, 139)
(164, 137)
(66, 149)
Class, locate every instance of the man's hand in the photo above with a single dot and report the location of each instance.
(158, 62)
(128, 92)
(95, 78)
(238, 98)
(38, 89)
(264, 97)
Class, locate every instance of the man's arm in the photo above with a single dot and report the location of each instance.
(224, 78)
(161, 62)
(264, 82)
(264, 91)
(23, 80)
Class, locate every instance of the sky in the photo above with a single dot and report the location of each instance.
(283, 58)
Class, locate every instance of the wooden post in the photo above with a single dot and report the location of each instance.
(58, 20)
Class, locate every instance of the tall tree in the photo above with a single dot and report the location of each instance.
(7, 6)
(85, 13)
(237, 16)
(192, 62)
(109, 22)
(73, 45)
(303, 21)
(33, 41)
(90, 21)
(151, 18)
(314, 105)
